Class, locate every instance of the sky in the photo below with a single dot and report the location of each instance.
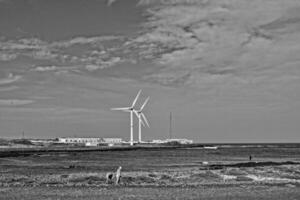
(228, 70)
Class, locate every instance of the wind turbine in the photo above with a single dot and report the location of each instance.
(131, 110)
(141, 116)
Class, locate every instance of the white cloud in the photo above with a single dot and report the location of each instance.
(92, 67)
(54, 68)
(171, 2)
(34, 44)
(31, 47)
(62, 52)
(110, 2)
(100, 64)
(10, 79)
(83, 41)
(44, 54)
(7, 56)
(9, 88)
(194, 39)
(45, 68)
(14, 102)
(112, 61)
(23, 44)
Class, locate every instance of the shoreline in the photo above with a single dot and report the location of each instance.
(15, 152)
(31, 150)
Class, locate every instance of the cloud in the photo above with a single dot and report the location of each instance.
(219, 41)
(31, 47)
(112, 61)
(170, 2)
(9, 88)
(44, 54)
(84, 40)
(54, 51)
(45, 68)
(7, 57)
(82, 53)
(14, 102)
(10, 79)
(55, 68)
(23, 44)
(110, 2)
(92, 67)
(103, 64)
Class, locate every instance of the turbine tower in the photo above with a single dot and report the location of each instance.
(131, 110)
(141, 117)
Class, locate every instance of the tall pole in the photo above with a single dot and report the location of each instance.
(140, 129)
(131, 127)
(170, 128)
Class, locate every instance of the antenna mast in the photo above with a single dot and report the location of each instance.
(170, 128)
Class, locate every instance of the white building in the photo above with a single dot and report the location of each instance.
(159, 141)
(112, 140)
(87, 141)
(181, 141)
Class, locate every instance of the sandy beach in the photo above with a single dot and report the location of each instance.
(224, 173)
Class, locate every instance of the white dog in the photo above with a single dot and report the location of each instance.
(117, 176)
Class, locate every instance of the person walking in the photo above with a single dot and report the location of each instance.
(118, 175)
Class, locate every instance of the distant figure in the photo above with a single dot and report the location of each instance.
(109, 177)
(250, 157)
(118, 175)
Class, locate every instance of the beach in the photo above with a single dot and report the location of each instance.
(182, 173)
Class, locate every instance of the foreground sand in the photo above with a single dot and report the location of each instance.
(155, 174)
(209, 192)
(279, 182)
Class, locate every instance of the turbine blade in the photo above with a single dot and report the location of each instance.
(142, 123)
(145, 119)
(145, 102)
(136, 113)
(136, 98)
(125, 108)
(139, 117)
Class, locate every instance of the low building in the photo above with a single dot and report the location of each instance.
(82, 140)
(91, 144)
(87, 141)
(43, 142)
(180, 141)
(159, 141)
(112, 140)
